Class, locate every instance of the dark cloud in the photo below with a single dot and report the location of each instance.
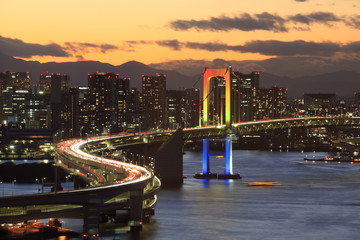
(173, 44)
(18, 48)
(76, 47)
(243, 22)
(106, 47)
(353, 47)
(264, 21)
(354, 21)
(279, 48)
(270, 48)
(300, 0)
(80, 58)
(211, 46)
(316, 17)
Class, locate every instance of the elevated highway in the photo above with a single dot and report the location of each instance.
(112, 185)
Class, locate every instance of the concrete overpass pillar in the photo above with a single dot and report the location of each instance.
(136, 209)
(91, 220)
(58, 174)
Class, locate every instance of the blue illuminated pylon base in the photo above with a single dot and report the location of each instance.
(229, 176)
(206, 175)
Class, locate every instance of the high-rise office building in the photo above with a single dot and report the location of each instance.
(272, 103)
(245, 88)
(13, 88)
(84, 119)
(107, 94)
(192, 101)
(70, 113)
(57, 85)
(134, 116)
(38, 110)
(154, 101)
(175, 109)
(123, 92)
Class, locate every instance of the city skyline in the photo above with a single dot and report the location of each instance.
(298, 36)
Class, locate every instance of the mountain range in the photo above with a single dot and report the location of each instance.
(343, 83)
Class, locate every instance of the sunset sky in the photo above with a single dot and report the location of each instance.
(170, 33)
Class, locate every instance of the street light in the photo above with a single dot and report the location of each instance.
(42, 184)
(38, 181)
(67, 181)
(2, 188)
(12, 187)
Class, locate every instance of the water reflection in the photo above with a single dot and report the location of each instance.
(314, 201)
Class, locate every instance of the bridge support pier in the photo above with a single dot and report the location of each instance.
(136, 209)
(206, 174)
(228, 174)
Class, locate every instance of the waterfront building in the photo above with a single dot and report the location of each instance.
(154, 101)
(272, 103)
(320, 104)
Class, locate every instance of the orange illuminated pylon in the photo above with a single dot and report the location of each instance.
(208, 74)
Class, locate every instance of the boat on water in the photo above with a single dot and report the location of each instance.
(341, 159)
(262, 184)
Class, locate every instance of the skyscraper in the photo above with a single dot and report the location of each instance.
(154, 101)
(134, 116)
(56, 85)
(245, 88)
(192, 101)
(107, 94)
(71, 113)
(175, 108)
(13, 88)
(272, 103)
(84, 119)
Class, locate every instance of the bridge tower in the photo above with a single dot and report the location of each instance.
(208, 74)
(228, 174)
